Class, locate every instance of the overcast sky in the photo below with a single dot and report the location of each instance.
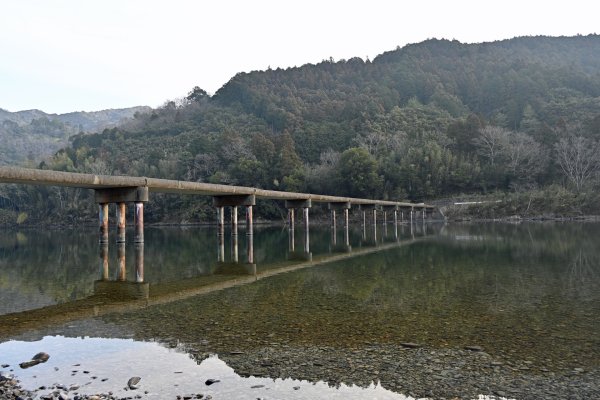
(72, 55)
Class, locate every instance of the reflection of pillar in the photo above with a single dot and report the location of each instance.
(249, 235)
(121, 269)
(104, 261)
(374, 230)
(103, 220)
(364, 225)
(221, 234)
(121, 209)
(306, 230)
(234, 245)
(291, 232)
(250, 248)
(138, 237)
(346, 228)
(333, 236)
(384, 224)
(139, 262)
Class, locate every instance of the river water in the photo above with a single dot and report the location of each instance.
(254, 311)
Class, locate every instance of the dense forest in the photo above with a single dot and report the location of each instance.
(434, 120)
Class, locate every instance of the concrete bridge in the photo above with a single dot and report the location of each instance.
(123, 190)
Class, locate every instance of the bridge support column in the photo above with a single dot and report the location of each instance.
(306, 230)
(121, 196)
(121, 210)
(103, 220)
(235, 201)
(234, 219)
(396, 224)
(346, 227)
(304, 204)
(138, 236)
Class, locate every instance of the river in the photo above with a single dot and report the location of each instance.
(438, 311)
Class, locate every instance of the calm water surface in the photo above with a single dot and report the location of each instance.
(522, 292)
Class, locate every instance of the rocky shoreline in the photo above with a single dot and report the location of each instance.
(419, 372)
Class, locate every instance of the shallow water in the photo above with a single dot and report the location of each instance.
(524, 293)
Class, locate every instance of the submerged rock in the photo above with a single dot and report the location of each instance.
(211, 381)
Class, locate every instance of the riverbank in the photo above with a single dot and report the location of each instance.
(409, 369)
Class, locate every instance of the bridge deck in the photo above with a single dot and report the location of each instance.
(90, 181)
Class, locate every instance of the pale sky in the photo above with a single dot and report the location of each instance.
(73, 55)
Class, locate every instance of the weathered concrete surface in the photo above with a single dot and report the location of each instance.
(90, 181)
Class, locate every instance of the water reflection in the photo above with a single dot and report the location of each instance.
(164, 372)
(528, 294)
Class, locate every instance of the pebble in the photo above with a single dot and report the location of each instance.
(133, 382)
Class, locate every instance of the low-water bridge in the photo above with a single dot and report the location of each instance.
(135, 190)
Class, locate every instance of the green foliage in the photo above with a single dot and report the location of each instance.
(358, 172)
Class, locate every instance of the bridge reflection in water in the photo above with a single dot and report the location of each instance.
(119, 289)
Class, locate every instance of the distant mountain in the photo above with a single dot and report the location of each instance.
(32, 135)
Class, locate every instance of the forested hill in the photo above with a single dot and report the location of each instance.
(34, 134)
(429, 120)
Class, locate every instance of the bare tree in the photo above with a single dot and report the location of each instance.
(491, 142)
(524, 156)
(579, 159)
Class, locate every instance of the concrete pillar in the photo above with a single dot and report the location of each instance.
(333, 222)
(138, 236)
(220, 220)
(411, 216)
(306, 230)
(104, 261)
(234, 219)
(103, 220)
(121, 212)
(374, 216)
(139, 262)
(396, 224)
(291, 218)
(291, 230)
(384, 217)
(346, 228)
(402, 216)
(249, 221)
(121, 265)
